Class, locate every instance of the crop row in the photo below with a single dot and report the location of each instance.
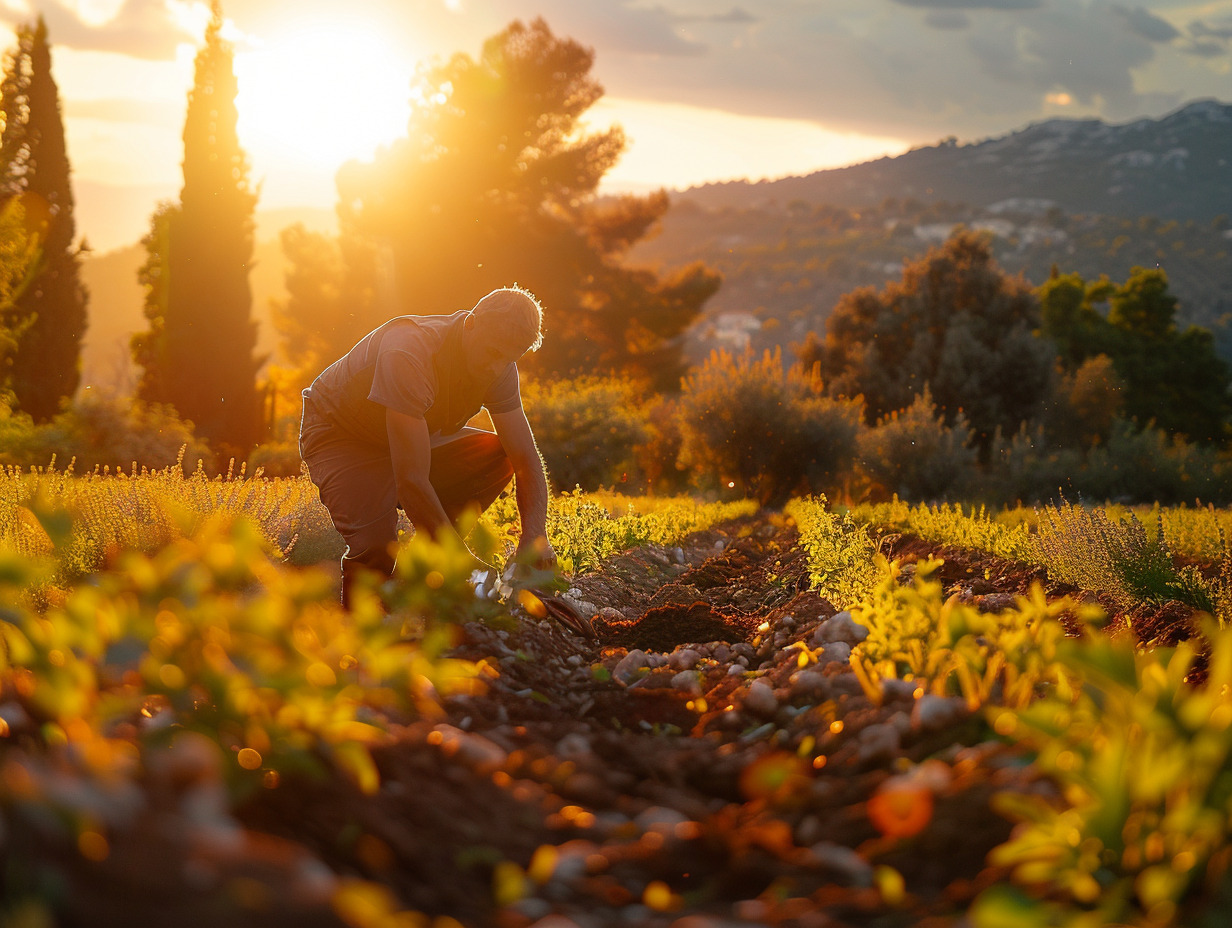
(1138, 831)
(1132, 554)
(171, 631)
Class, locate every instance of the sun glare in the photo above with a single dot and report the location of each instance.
(316, 96)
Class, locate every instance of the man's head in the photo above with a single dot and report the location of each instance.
(502, 327)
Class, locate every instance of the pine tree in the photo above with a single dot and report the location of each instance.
(204, 341)
(495, 184)
(46, 366)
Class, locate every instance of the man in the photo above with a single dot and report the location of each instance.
(385, 427)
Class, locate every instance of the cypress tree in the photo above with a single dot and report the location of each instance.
(206, 338)
(46, 367)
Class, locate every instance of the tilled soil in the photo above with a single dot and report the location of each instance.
(710, 760)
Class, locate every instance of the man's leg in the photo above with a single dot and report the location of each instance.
(356, 483)
(469, 471)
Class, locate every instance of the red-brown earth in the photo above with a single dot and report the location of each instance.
(689, 768)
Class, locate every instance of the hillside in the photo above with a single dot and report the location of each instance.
(1080, 195)
(1177, 167)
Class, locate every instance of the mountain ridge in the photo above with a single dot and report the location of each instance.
(1177, 166)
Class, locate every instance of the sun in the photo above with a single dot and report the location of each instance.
(315, 95)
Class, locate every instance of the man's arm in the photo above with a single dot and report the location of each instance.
(411, 451)
(531, 486)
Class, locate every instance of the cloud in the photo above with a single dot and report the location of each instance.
(947, 19)
(1146, 24)
(142, 29)
(1221, 30)
(734, 15)
(981, 69)
(1205, 49)
(972, 4)
(619, 26)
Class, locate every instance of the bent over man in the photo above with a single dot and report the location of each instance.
(385, 427)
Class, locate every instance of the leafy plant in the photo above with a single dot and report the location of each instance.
(841, 556)
(953, 649)
(1143, 760)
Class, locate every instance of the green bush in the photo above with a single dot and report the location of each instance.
(586, 430)
(763, 430)
(914, 454)
(103, 432)
(1141, 465)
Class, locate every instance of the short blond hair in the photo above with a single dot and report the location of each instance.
(517, 310)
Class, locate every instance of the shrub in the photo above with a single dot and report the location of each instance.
(586, 429)
(765, 430)
(276, 459)
(1143, 465)
(914, 454)
(658, 456)
(105, 432)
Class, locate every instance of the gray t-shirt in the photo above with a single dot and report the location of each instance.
(413, 365)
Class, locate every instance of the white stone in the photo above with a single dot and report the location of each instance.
(836, 652)
(934, 713)
(879, 742)
(683, 659)
(760, 698)
(840, 627)
(630, 666)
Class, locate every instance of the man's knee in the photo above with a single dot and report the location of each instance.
(372, 545)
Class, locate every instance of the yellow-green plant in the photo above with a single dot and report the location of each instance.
(950, 524)
(951, 648)
(841, 556)
(1094, 550)
(1140, 832)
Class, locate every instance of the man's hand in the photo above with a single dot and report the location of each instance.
(536, 552)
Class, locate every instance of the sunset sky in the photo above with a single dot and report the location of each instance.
(705, 90)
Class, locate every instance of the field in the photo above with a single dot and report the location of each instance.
(893, 715)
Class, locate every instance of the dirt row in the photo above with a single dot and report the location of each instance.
(710, 760)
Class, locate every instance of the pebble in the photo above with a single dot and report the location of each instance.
(810, 683)
(845, 861)
(660, 819)
(687, 682)
(683, 659)
(840, 627)
(706, 921)
(586, 788)
(609, 614)
(743, 649)
(537, 909)
(934, 713)
(550, 921)
(679, 552)
(587, 609)
(836, 652)
(630, 666)
(880, 742)
(736, 669)
(475, 751)
(574, 744)
(761, 699)
(893, 690)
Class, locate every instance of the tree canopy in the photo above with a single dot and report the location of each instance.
(198, 354)
(495, 184)
(955, 323)
(1171, 377)
(45, 367)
